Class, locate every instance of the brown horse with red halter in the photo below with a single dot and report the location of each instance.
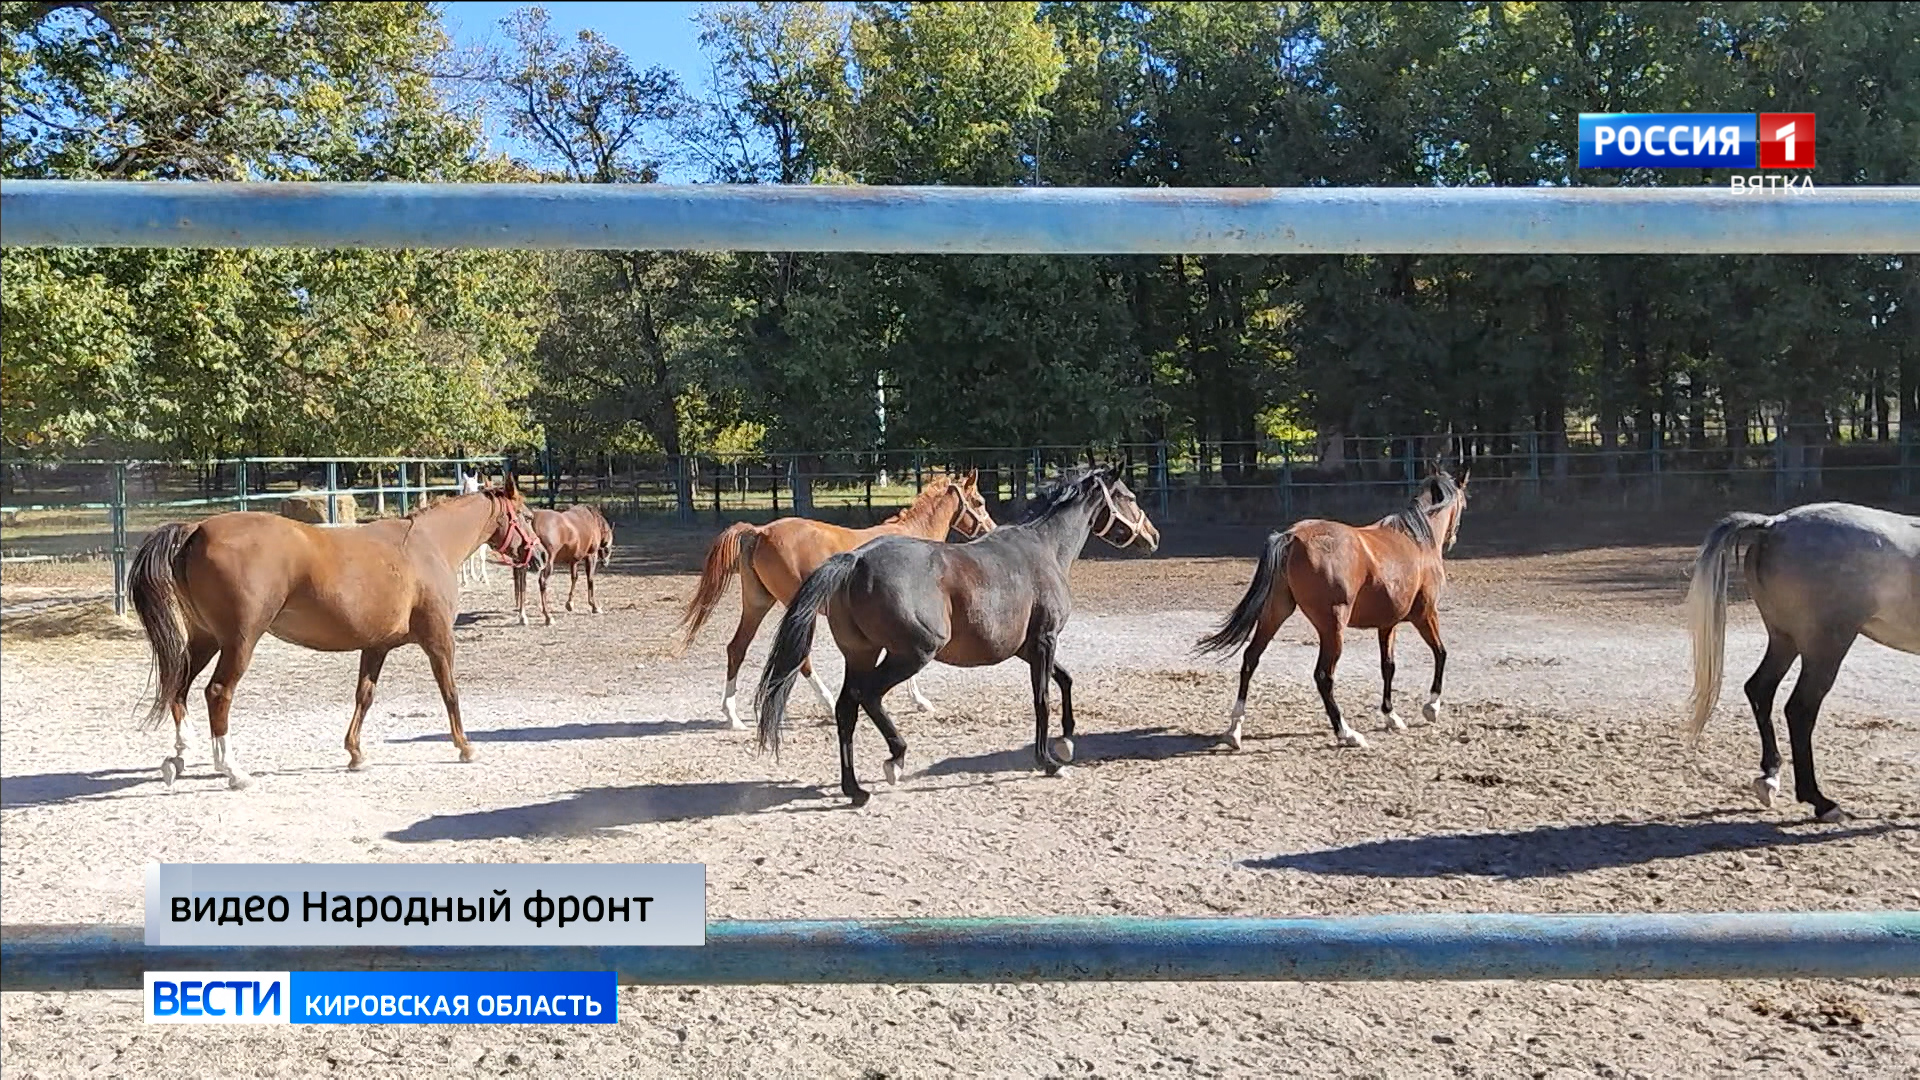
(772, 560)
(575, 536)
(1371, 578)
(214, 587)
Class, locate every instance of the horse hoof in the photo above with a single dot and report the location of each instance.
(238, 781)
(1063, 749)
(1353, 739)
(1232, 737)
(734, 724)
(859, 798)
(1055, 769)
(169, 772)
(1832, 815)
(1394, 723)
(466, 755)
(1766, 787)
(895, 769)
(596, 610)
(357, 765)
(1430, 712)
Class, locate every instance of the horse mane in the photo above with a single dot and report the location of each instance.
(1063, 492)
(1436, 494)
(935, 490)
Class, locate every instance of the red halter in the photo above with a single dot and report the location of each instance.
(512, 527)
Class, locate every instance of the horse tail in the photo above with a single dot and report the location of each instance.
(153, 580)
(794, 641)
(1707, 611)
(1245, 617)
(724, 559)
(606, 536)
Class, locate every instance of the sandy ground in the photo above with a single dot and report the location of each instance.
(1554, 781)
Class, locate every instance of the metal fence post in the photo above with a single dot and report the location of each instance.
(242, 481)
(1160, 466)
(333, 485)
(1286, 480)
(1533, 466)
(1907, 454)
(119, 515)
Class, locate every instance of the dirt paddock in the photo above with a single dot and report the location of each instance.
(1554, 781)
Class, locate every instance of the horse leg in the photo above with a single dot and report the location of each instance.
(1427, 622)
(819, 687)
(200, 653)
(755, 602)
(1818, 668)
(1394, 723)
(846, 714)
(1278, 609)
(520, 594)
(919, 699)
(1040, 659)
(1761, 687)
(437, 643)
(573, 583)
(593, 602)
(371, 661)
(892, 671)
(1063, 746)
(546, 612)
(1332, 628)
(235, 655)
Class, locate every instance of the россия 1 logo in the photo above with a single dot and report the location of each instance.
(1702, 141)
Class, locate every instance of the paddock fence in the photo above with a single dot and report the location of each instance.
(1055, 221)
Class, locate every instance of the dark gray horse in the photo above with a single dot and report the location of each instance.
(897, 603)
(1821, 575)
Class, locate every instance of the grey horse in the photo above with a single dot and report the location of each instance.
(898, 603)
(1821, 575)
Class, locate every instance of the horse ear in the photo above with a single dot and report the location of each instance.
(973, 476)
(1466, 470)
(509, 485)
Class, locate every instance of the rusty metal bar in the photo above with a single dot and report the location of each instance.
(1780, 945)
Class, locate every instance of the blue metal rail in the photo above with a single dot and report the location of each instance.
(952, 220)
(1881, 944)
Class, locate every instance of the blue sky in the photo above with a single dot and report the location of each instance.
(651, 34)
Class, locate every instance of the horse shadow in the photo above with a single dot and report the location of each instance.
(1091, 748)
(634, 729)
(1555, 851)
(46, 789)
(594, 810)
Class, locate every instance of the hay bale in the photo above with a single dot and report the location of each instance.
(311, 507)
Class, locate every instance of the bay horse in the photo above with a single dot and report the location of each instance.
(1821, 575)
(574, 536)
(898, 603)
(214, 587)
(1373, 577)
(772, 560)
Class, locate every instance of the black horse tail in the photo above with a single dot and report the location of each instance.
(1246, 614)
(794, 641)
(153, 580)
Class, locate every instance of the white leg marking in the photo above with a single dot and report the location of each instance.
(1349, 737)
(919, 699)
(732, 711)
(1232, 736)
(224, 761)
(1766, 787)
(820, 688)
(1394, 723)
(1431, 710)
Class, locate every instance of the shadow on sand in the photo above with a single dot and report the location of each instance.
(1091, 748)
(45, 789)
(637, 729)
(594, 809)
(1555, 851)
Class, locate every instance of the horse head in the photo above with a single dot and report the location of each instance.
(513, 535)
(1119, 509)
(970, 517)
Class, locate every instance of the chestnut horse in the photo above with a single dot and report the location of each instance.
(213, 587)
(901, 602)
(772, 560)
(1371, 578)
(578, 534)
